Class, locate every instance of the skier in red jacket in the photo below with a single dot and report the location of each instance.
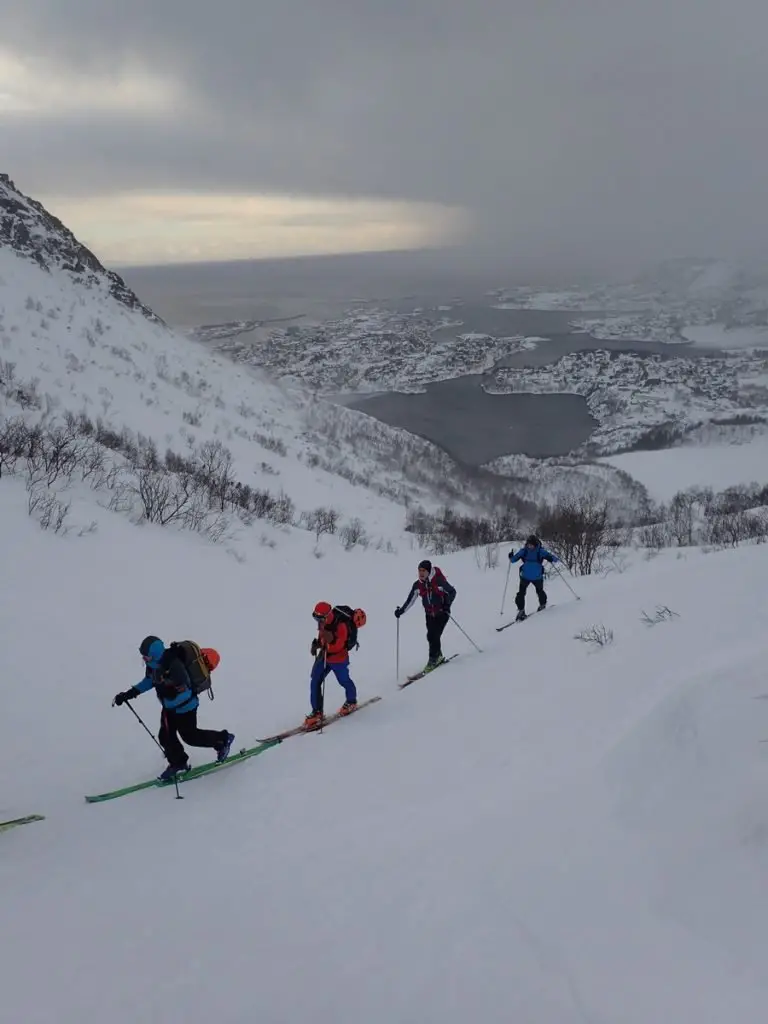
(331, 655)
(437, 596)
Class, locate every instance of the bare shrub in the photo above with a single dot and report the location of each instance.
(449, 531)
(612, 560)
(163, 497)
(212, 466)
(15, 440)
(50, 512)
(578, 530)
(93, 463)
(121, 499)
(58, 454)
(656, 536)
(282, 510)
(320, 520)
(682, 519)
(487, 556)
(662, 614)
(731, 530)
(353, 534)
(271, 443)
(597, 636)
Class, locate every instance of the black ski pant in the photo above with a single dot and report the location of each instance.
(174, 725)
(435, 626)
(540, 592)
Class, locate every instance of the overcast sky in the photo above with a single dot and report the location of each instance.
(576, 128)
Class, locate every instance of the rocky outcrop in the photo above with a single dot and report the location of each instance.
(34, 233)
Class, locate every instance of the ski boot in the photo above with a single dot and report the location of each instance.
(222, 752)
(433, 663)
(173, 771)
(313, 720)
(347, 707)
(520, 615)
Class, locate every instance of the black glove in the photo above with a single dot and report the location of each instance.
(511, 555)
(398, 612)
(121, 698)
(314, 648)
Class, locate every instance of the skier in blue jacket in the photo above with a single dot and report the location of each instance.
(532, 556)
(168, 676)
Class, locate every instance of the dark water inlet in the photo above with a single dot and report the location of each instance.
(475, 427)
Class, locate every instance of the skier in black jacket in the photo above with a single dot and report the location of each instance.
(437, 596)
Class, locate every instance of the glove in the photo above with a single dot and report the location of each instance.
(121, 698)
(326, 637)
(511, 555)
(314, 648)
(398, 612)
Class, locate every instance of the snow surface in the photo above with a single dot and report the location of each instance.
(666, 472)
(722, 337)
(535, 833)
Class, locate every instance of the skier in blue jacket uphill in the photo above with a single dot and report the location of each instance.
(533, 556)
(167, 674)
(437, 595)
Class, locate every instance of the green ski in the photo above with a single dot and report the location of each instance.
(4, 825)
(194, 773)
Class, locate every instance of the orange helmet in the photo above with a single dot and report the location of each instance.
(212, 658)
(323, 612)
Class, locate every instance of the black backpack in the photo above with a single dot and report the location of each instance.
(353, 619)
(191, 657)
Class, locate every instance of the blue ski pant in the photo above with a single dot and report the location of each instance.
(319, 671)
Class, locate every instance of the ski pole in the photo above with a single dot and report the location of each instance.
(397, 653)
(506, 584)
(468, 637)
(154, 740)
(322, 690)
(565, 581)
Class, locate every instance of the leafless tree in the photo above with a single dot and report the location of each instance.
(578, 530)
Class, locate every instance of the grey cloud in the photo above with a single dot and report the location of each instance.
(587, 126)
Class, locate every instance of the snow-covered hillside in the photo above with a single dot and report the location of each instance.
(540, 832)
(74, 339)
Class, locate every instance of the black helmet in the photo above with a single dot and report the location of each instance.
(426, 564)
(145, 644)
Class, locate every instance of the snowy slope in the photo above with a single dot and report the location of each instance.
(91, 353)
(666, 472)
(536, 833)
